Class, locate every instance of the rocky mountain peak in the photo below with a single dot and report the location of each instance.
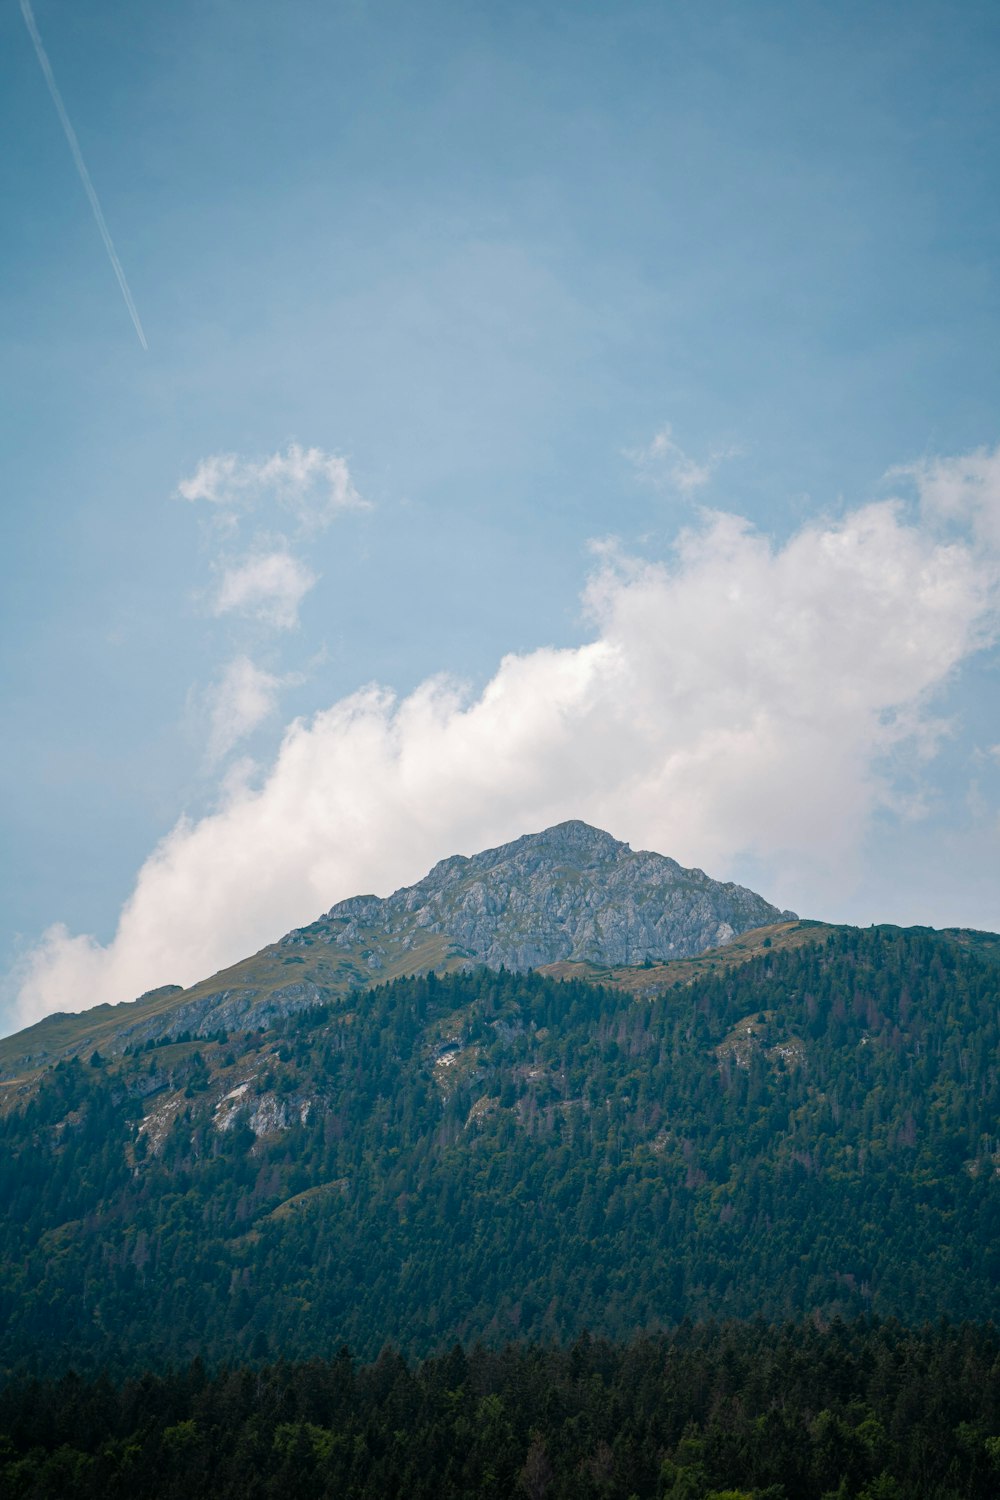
(573, 838)
(568, 892)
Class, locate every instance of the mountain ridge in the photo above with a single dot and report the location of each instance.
(570, 893)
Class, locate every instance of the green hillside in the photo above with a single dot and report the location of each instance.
(270, 983)
(813, 1131)
(278, 981)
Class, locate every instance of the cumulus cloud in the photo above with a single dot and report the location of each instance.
(313, 485)
(664, 463)
(268, 587)
(244, 697)
(739, 700)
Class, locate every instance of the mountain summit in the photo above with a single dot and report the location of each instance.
(571, 892)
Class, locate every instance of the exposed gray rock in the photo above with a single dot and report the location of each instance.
(222, 1010)
(571, 892)
(269, 1116)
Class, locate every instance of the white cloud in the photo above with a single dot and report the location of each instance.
(964, 490)
(664, 463)
(214, 480)
(245, 696)
(743, 700)
(313, 485)
(268, 587)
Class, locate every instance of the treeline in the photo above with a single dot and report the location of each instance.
(863, 1411)
(495, 1156)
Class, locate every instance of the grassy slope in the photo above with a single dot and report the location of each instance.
(335, 972)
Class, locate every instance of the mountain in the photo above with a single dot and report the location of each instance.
(807, 1126)
(569, 894)
(560, 1084)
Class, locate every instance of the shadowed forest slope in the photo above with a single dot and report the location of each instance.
(496, 1155)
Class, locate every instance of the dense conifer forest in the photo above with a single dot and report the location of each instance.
(495, 1156)
(867, 1411)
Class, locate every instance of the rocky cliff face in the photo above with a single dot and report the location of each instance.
(571, 892)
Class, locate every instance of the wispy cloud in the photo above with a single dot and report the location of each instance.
(243, 699)
(739, 699)
(963, 490)
(664, 463)
(81, 167)
(314, 486)
(268, 587)
(268, 583)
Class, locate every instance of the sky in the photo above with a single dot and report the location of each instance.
(548, 411)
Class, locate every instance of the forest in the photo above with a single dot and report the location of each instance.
(494, 1156)
(846, 1411)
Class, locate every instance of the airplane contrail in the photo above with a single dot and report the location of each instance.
(81, 166)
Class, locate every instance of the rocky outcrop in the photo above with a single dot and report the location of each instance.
(218, 1010)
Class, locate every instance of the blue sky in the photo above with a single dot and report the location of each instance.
(539, 276)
